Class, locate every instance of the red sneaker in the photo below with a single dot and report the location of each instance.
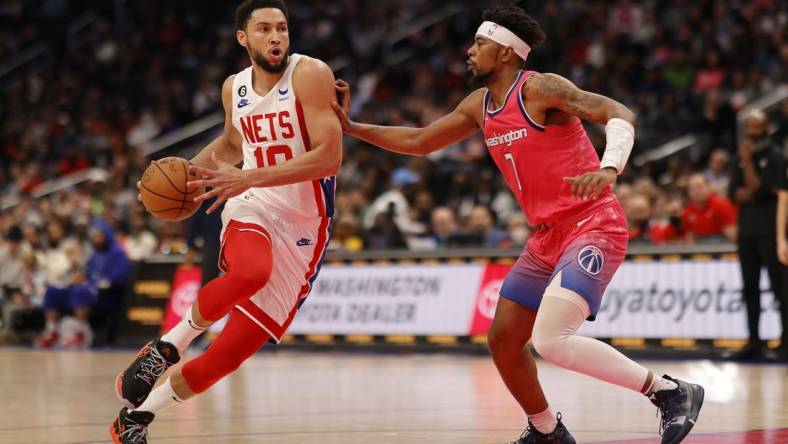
(79, 340)
(47, 339)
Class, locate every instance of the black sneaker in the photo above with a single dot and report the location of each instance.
(130, 427)
(136, 382)
(679, 409)
(532, 436)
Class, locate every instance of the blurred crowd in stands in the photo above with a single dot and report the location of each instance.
(111, 76)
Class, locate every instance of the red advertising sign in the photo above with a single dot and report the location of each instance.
(487, 298)
(185, 286)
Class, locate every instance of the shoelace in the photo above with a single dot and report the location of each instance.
(153, 366)
(136, 433)
(528, 430)
(667, 413)
(531, 430)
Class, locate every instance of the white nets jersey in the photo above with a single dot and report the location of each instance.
(273, 131)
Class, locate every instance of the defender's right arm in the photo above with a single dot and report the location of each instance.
(451, 128)
(228, 145)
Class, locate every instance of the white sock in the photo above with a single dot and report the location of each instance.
(162, 397)
(184, 332)
(660, 384)
(545, 421)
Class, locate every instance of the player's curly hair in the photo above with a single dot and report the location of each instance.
(245, 10)
(515, 19)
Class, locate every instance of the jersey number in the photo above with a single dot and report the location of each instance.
(270, 155)
(510, 158)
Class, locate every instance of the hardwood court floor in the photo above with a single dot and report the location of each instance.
(334, 398)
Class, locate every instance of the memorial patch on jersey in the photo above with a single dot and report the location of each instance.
(242, 91)
(591, 259)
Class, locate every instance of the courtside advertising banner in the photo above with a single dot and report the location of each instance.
(687, 299)
(651, 299)
(390, 299)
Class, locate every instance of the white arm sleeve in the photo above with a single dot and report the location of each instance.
(620, 138)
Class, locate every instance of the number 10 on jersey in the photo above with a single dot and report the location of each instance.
(270, 158)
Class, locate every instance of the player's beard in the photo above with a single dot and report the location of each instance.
(479, 79)
(260, 59)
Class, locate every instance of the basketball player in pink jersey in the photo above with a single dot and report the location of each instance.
(279, 122)
(533, 131)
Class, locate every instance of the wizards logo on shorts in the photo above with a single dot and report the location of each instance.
(591, 259)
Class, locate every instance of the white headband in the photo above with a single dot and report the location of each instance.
(503, 36)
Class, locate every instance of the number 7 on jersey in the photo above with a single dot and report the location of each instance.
(510, 158)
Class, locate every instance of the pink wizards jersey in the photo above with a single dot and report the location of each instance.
(535, 159)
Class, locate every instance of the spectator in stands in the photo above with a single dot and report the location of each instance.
(11, 267)
(718, 171)
(517, 230)
(759, 170)
(18, 307)
(140, 242)
(444, 227)
(101, 283)
(707, 215)
(711, 75)
(481, 230)
(384, 233)
(55, 258)
(10, 259)
(718, 122)
(395, 202)
(665, 224)
(638, 211)
(345, 236)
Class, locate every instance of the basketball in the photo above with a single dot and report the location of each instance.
(163, 189)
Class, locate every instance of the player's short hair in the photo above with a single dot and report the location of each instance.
(516, 20)
(245, 10)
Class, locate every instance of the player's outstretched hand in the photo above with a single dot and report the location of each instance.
(591, 185)
(342, 105)
(226, 181)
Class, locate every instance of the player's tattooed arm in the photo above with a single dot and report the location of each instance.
(554, 91)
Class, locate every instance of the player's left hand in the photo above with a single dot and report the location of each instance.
(591, 185)
(225, 181)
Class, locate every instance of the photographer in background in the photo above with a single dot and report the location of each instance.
(757, 175)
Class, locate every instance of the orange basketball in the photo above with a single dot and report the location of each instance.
(163, 189)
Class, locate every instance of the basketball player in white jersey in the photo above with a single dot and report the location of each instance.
(279, 122)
